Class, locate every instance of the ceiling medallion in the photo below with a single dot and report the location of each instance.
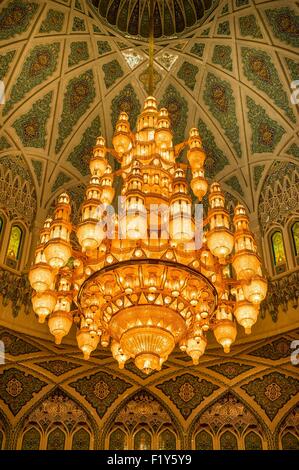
(153, 275)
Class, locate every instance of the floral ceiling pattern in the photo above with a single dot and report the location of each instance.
(69, 67)
(254, 388)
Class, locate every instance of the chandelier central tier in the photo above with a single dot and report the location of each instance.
(144, 280)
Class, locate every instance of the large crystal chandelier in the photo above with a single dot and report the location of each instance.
(143, 280)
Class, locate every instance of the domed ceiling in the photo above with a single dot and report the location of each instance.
(68, 72)
(170, 16)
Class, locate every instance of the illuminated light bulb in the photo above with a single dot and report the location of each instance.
(148, 362)
(43, 304)
(58, 250)
(60, 323)
(246, 315)
(58, 253)
(163, 134)
(136, 227)
(87, 342)
(220, 240)
(90, 234)
(196, 348)
(98, 163)
(121, 140)
(199, 186)
(196, 154)
(246, 262)
(118, 354)
(145, 333)
(255, 291)
(225, 333)
(41, 277)
(105, 339)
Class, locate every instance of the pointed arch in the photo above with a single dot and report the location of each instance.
(153, 407)
(227, 412)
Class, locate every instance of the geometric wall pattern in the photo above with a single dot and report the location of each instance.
(243, 392)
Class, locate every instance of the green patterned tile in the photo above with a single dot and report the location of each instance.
(293, 67)
(234, 183)
(4, 144)
(80, 156)
(205, 32)
(58, 367)
(60, 180)
(222, 56)
(78, 5)
(187, 73)
(53, 23)
(127, 101)
(100, 390)
(249, 27)
(285, 24)
(79, 94)
(225, 10)
(5, 60)
(219, 98)
(32, 126)
(241, 3)
(79, 53)
(216, 159)
(78, 24)
(259, 69)
(18, 388)
(230, 370)
(38, 170)
(40, 64)
(103, 47)
(198, 49)
(272, 391)
(16, 18)
(266, 133)
(275, 350)
(187, 392)
(15, 346)
(112, 72)
(257, 174)
(96, 29)
(293, 150)
(178, 111)
(223, 29)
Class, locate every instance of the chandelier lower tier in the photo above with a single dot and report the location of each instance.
(153, 275)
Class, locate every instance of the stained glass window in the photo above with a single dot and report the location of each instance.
(295, 236)
(15, 240)
(31, 439)
(278, 248)
(228, 441)
(56, 440)
(117, 440)
(253, 441)
(289, 442)
(142, 440)
(81, 440)
(167, 440)
(203, 441)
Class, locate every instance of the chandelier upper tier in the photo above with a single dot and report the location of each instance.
(155, 274)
